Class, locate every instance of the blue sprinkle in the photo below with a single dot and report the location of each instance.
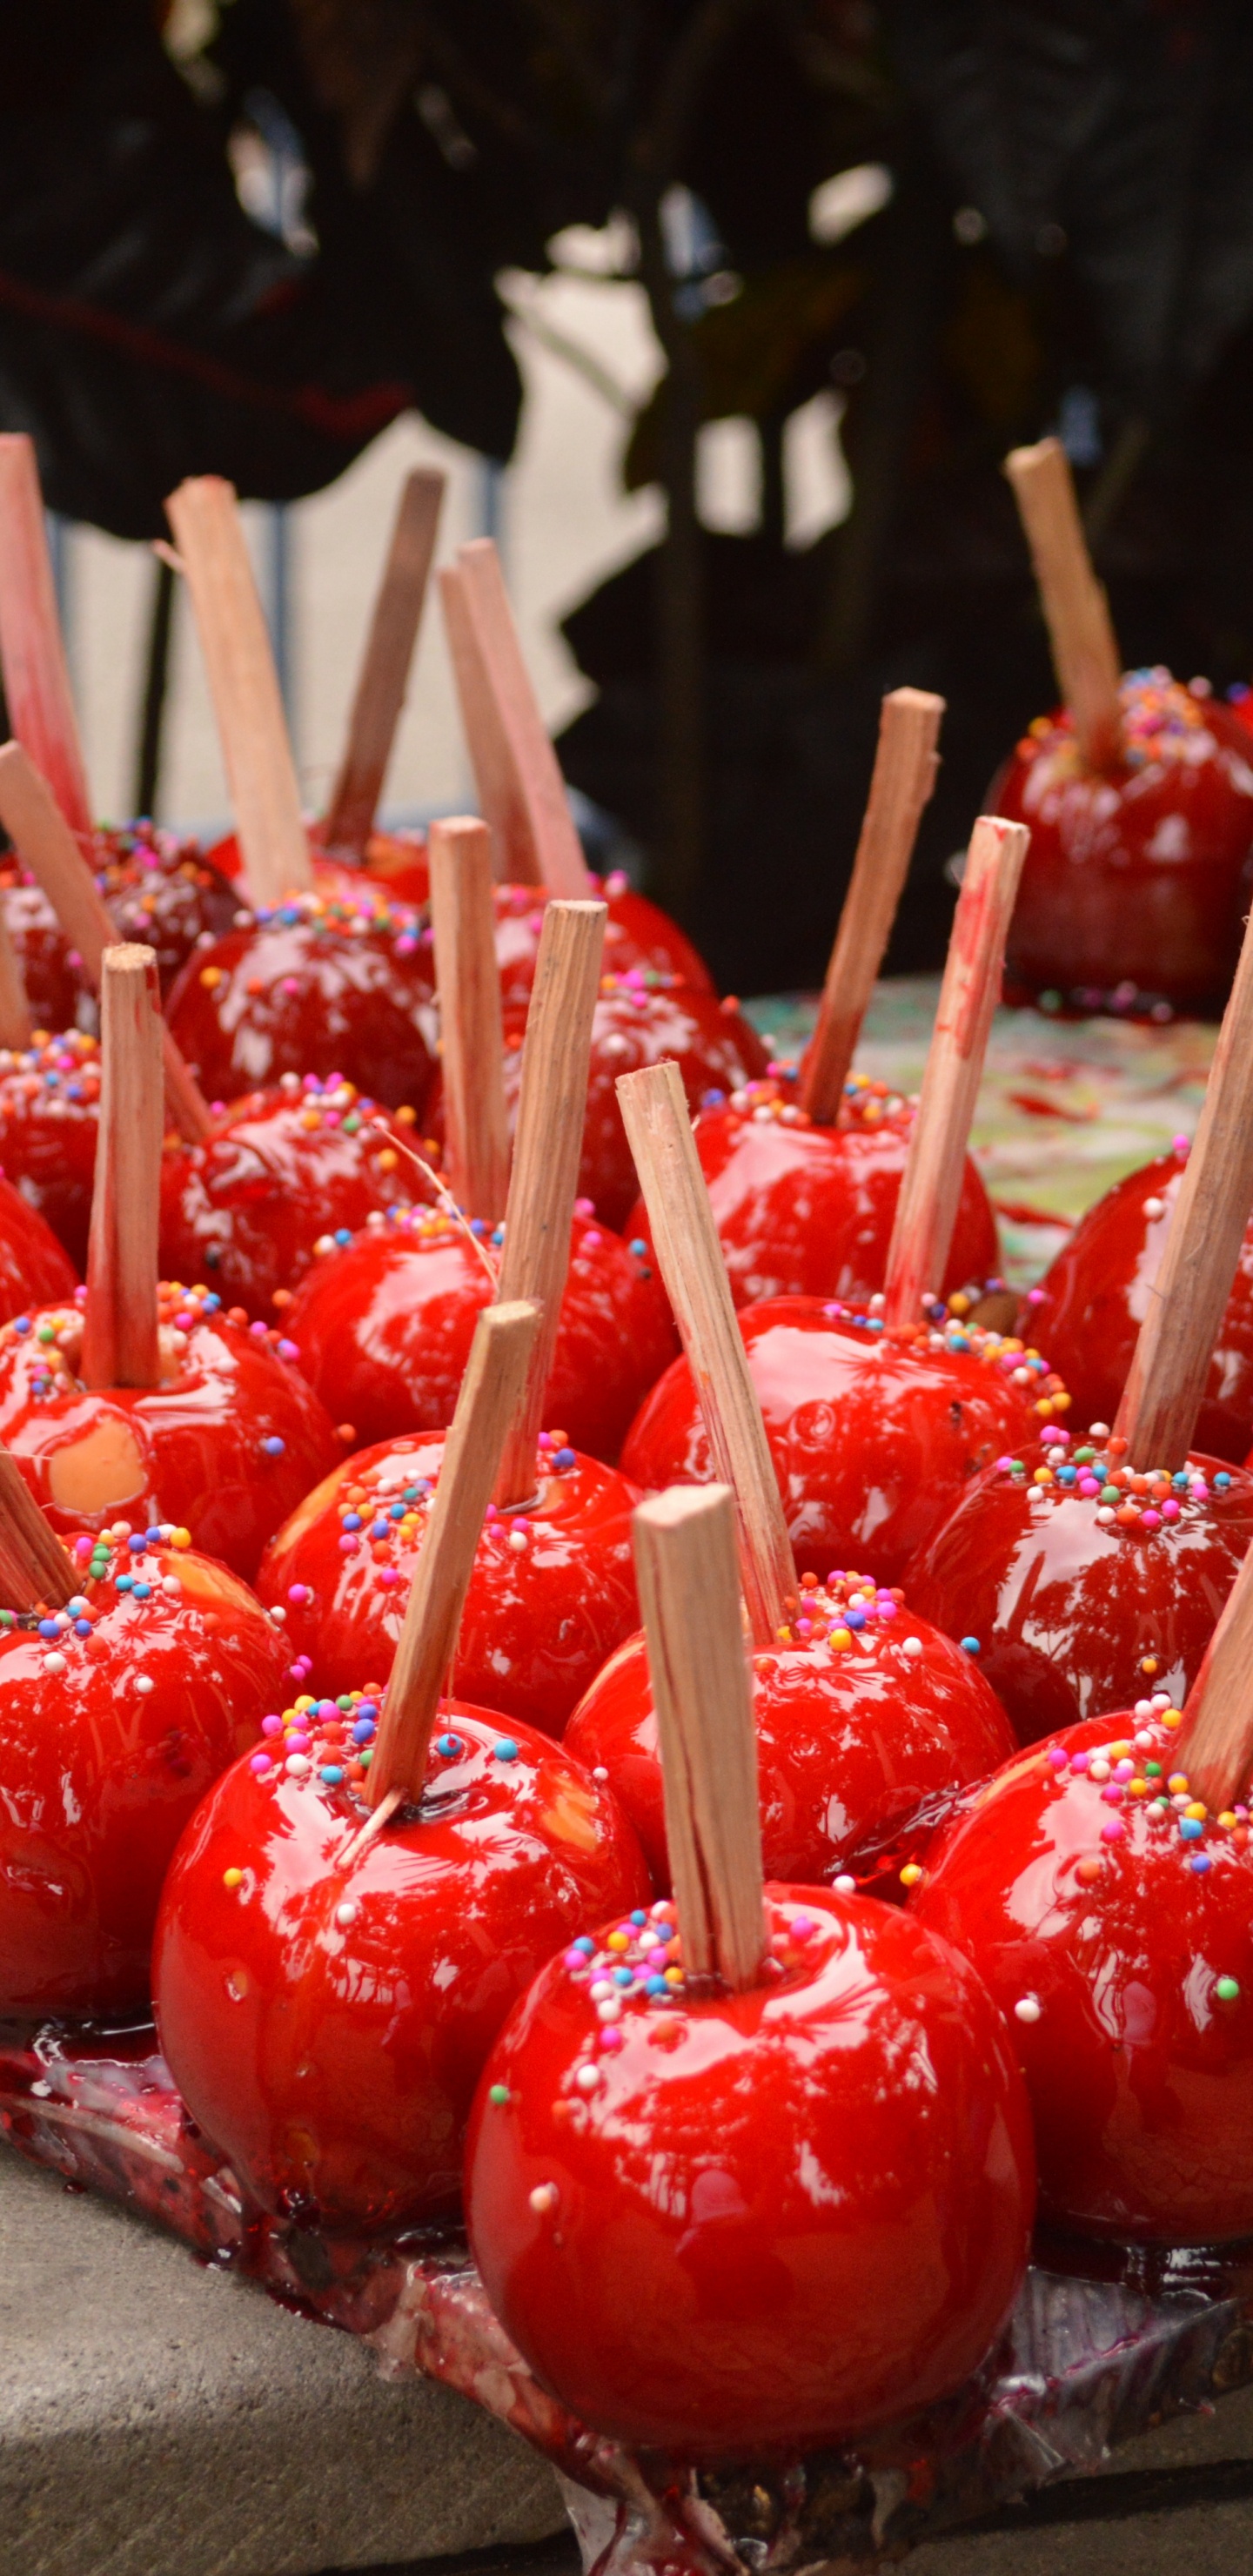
(876, 1324)
(153, 1537)
(367, 1708)
(380, 1529)
(564, 1459)
(656, 1986)
(211, 1304)
(1222, 1480)
(343, 1234)
(352, 1520)
(587, 1946)
(505, 1749)
(332, 1774)
(449, 1745)
(638, 1247)
(970, 1645)
(125, 1583)
(141, 1591)
(854, 1619)
(1190, 1829)
(1180, 1478)
(49, 1628)
(639, 1920)
(1067, 1475)
(624, 1976)
(273, 1446)
(138, 1546)
(21, 1323)
(82, 1628)
(1199, 1861)
(397, 1512)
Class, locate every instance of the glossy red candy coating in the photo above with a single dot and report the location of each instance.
(304, 992)
(1092, 1301)
(335, 2061)
(1133, 879)
(1140, 2073)
(385, 1326)
(637, 934)
(806, 1211)
(34, 1268)
(101, 1776)
(56, 995)
(1066, 1608)
(162, 892)
(779, 2217)
(637, 1024)
(282, 1169)
(874, 1438)
(539, 1620)
(861, 1747)
(397, 860)
(49, 1101)
(191, 1451)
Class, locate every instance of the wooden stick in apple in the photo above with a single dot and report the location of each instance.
(1170, 1363)
(547, 1145)
(516, 770)
(384, 672)
(32, 652)
(500, 1355)
(686, 1566)
(1076, 611)
(36, 826)
(1215, 1743)
(243, 683)
(34, 1567)
(120, 1338)
(463, 921)
(926, 1210)
(904, 775)
(692, 1265)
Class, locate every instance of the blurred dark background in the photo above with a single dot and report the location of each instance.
(1066, 244)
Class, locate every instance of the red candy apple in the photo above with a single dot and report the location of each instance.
(326, 2025)
(757, 2222)
(1080, 1577)
(804, 1210)
(1090, 1305)
(33, 1265)
(874, 1435)
(225, 1445)
(49, 1098)
(552, 1593)
(640, 939)
(869, 1724)
(318, 984)
(1111, 1917)
(283, 1171)
(384, 1326)
(1133, 881)
(119, 1712)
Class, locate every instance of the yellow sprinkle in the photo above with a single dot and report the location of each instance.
(1042, 1476)
(910, 1874)
(1177, 1783)
(306, 1700)
(1045, 1406)
(840, 1638)
(784, 1636)
(1228, 1817)
(209, 976)
(232, 1878)
(180, 1538)
(1197, 1812)
(1137, 1788)
(673, 1976)
(388, 1159)
(616, 1941)
(1172, 1717)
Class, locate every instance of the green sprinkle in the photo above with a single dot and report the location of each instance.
(1227, 1990)
(499, 2093)
(1152, 1770)
(1083, 1457)
(1111, 1494)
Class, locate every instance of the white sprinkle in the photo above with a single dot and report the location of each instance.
(1105, 1512)
(278, 1613)
(844, 1885)
(1027, 2008)
(544, 2199)
(517, 1541)
(1155, 1207)
(296, 1765)
(600, 1772)
(1143, 1708)
(1098, 1769)
(1161, 1699)
(588, 2079)
(54, 1663)
(912, 1645)
(144, 1683)
(610, 2009)
(170, 1583)
(347, 1912)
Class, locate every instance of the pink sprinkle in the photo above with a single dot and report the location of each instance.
(1150, 1520)
(888, 1609)
(1059, 1758)
(1113, 1794)
(388, 1577)
(1124, 1770)
(299, 1592)
(1113, 1830)
(271, 1726)
(82, 1547)
(260, 1763)
(610, 2036)
(1080, 1761)
(1089, 1485)
(1169, 1512)
(1199, 1490)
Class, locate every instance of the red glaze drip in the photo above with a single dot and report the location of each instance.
(306, 992)
(637, 935)
(1090, 1305)
(635, 1024)
(192, 1450)
(101, 1776)
(540, 1617)
(334, 2060)
(874, 1437)
(283, 1169)
(1067, 1608)
(1092, 1913)
(34, 1269)
(778, 2217)
(49, 1097)
(805, 1211)
(863, 1743)
(1133, 880)
(385, 1326)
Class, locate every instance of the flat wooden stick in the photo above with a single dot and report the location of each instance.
(1170, 1363)
(1076, 611)
(243, 683)
(520, 786)
(904, 775)
(1215, 1743)
(15, 1019)
(384, 673)
(547, 1146)
(690, 1258)
(685, 1562)
(120, 1341)
(48, 848)
(32, 652)
(926, 1211)
(463, 919)
(504, 1339)
(34, 1567)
